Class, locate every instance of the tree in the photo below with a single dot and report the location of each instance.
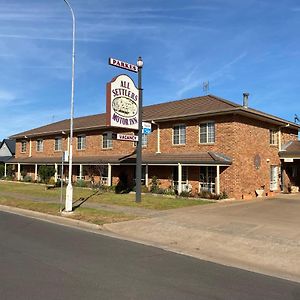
(46, 172)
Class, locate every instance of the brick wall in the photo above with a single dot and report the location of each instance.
(243, 139)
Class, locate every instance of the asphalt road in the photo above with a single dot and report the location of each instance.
(40, 260)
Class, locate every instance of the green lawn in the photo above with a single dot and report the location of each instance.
(95, 216)
(148, 201)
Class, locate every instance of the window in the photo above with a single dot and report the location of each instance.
(81, 141)
(273, 137)
(107, 140)
(179, 134)
(57, 144)
(207, 133)
(207, 180)
(23, 146)
(39, 145)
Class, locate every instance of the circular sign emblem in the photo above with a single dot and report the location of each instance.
(124, 107)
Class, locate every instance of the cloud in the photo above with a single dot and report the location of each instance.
(6, 97)
(189, 84)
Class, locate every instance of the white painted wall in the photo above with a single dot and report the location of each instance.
(4, 151)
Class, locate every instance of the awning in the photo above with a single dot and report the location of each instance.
(200, 158)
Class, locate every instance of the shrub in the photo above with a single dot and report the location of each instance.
(46, 172)
(209, 195)
(27, 178)
(123, 186)
(185, 194)
(81, 183)
(1, 171)
(170, 191)
(51, 181)
(23, 173)
(154, 186)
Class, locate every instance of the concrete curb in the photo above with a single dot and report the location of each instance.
(61, 220)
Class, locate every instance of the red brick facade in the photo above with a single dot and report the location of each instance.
(245, 140)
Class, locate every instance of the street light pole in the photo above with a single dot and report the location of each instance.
(69, 192)
(139, 143)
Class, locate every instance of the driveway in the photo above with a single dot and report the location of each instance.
(259, 235)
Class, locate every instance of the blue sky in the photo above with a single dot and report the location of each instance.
(237, 46)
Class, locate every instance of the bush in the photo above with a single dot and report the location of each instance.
(169, 191)
(123, 186)
(106, 188)
(27, 178)
(1, 171)
(154, 186)
(23, 173)
(81, 183)
(46, 172)
(185, 194)
(209, 195)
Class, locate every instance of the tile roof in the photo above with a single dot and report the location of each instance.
(186, 108)
(290, 150)
(166, 158)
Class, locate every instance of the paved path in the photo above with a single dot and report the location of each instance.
(259, 235)
(45, 261)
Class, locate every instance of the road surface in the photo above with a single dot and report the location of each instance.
(40, 260)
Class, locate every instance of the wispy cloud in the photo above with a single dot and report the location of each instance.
(189, 83)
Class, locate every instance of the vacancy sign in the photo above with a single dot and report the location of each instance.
(122, 64)
(127, 137)
(122, 103)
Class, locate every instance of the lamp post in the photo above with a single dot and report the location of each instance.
(69, 192)
(138, 172)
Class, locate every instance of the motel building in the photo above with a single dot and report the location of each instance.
(199, 144)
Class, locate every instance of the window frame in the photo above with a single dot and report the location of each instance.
(22, 149)
(81, 141)
(55, 139)
(207, 132)
(109, 142)
(181, 125)
(274, 137)
(39, 145)
(206, 184)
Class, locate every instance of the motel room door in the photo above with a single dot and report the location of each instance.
(274, 178)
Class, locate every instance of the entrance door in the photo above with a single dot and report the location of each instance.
(274, 178)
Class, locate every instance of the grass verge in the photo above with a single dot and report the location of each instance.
(95, 216)
(80, 194)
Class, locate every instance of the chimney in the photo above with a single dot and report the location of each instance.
(245, 99)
